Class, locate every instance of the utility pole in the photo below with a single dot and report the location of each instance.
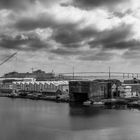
(128, 75)
(109, 73)
(123, 75)
(110, 83)
(73, 72)
(32, 69)
(132, 75)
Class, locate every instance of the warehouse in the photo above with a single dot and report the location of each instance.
(45, 87)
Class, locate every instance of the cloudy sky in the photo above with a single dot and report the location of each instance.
(90, 35)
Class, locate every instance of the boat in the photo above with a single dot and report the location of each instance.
(98, 103)
(87, 103)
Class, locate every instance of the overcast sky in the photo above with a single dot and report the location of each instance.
(90, 35)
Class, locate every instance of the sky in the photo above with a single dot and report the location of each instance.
(89, 35)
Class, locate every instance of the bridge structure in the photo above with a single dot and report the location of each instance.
(102, 75)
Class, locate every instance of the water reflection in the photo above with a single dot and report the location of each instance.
(117, 107)
(86, 111)
(41, 120)
(91, 110)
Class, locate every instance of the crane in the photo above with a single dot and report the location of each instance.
(7, 59)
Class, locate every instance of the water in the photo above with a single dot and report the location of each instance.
(22, 119)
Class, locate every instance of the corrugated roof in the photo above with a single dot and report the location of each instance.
(56, 83)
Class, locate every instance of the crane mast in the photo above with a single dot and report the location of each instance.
(7, 59)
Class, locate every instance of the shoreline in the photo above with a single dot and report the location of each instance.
(129, 102)
(31, 97)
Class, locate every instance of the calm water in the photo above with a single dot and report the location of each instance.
(43, 120)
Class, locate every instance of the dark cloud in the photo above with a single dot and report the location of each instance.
(67, 34)
(66, 52)
(87, 55)
(131, 54)
(31, 23)
(116, 38)
(15, 4)
(24, 4)
(43, 20)
(130, 44)
(101, 56)
(121, 14)
(21, 42)
(72, 37)
(90, 4)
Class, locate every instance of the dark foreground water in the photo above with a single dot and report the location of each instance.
(43, 120)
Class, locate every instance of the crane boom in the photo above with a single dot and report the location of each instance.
(7, 59)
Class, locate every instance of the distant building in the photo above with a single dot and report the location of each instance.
(129, 90)
(39, 75)
(18, 75)
(132, 81)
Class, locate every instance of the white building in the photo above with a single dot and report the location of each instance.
(41, 86)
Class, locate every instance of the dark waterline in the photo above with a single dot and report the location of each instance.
(43, 120)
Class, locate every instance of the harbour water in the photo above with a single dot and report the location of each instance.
(23, 119)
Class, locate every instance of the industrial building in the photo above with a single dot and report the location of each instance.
(81, 91)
